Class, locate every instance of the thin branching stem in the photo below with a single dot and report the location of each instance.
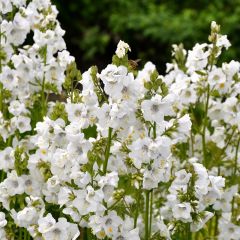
(107, 151)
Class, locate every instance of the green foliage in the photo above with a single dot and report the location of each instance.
(73, 76)
(21, 161)
(44, 168)
(35, 110)
(149, 26)
(97, 85)
(59, 112)
(154, 85)
(89, 132)
(120, 61)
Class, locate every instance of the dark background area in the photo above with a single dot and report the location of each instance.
(94, 27)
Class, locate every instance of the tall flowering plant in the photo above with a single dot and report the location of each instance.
(126, 153)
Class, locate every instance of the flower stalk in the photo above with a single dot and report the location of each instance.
(205, 122)
(107, 151)
(146, 218)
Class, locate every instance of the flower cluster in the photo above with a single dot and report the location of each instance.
(120, 153)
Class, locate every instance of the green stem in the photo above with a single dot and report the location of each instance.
(210, 227)
(114, 204)
(197, 235)
(205, 126)
(235, 172)
(1, 85)
(2, 175)
(146, 219)
(192, 144)
(1, 98)
(236, 159)
(71, 90)
(107, 151)
(86, 234)
(151, 191)
(25, 234)
(43, 99)
(216, 226)
(43, 103)
(151, 211)
(137, 207)
(233, 212)
(154, 130)
(229, 140)
(189, 234)
(21, 234)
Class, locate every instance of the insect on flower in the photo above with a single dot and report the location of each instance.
(134, 63)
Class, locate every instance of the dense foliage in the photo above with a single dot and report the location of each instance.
(149, 26)
(127, 154)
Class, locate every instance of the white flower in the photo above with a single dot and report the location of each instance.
(156, 108)
(202, 182)
(144, 76)
(219, 137)
(199, 224)
(81, 179)
(216, 112)
(22, 123)
(217, 184)
(231, 108)
(5, 6)
(153, 175)
(17, 108)
(75, 111)
(3, 221)
(8, 78)
(111, 223)
(113, 78)
(103, 116)
(222, 41)
(230, 69)
(46, 223)
(26, 217)
(61, 163)
(19, 3)
(182, 212)
(228, 230)
(188, 95)
(197, 58)
(14, 184)
(64, 196)
(3, 234)
(224, 203)
(79, 150)
(108, 183)
(180, 182)
(62, 230)
(160, 148)
(140, 151)
(127, 230)
(57, 231)
(88, 200)
(184, 127)
(21, 27)
(215, 76)
(53, 184)
(122, 49)
(7, 159)
(31, 185)
(164, 232)
(214, 26)
(64, 58)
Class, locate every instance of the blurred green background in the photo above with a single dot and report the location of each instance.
(94, 27)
